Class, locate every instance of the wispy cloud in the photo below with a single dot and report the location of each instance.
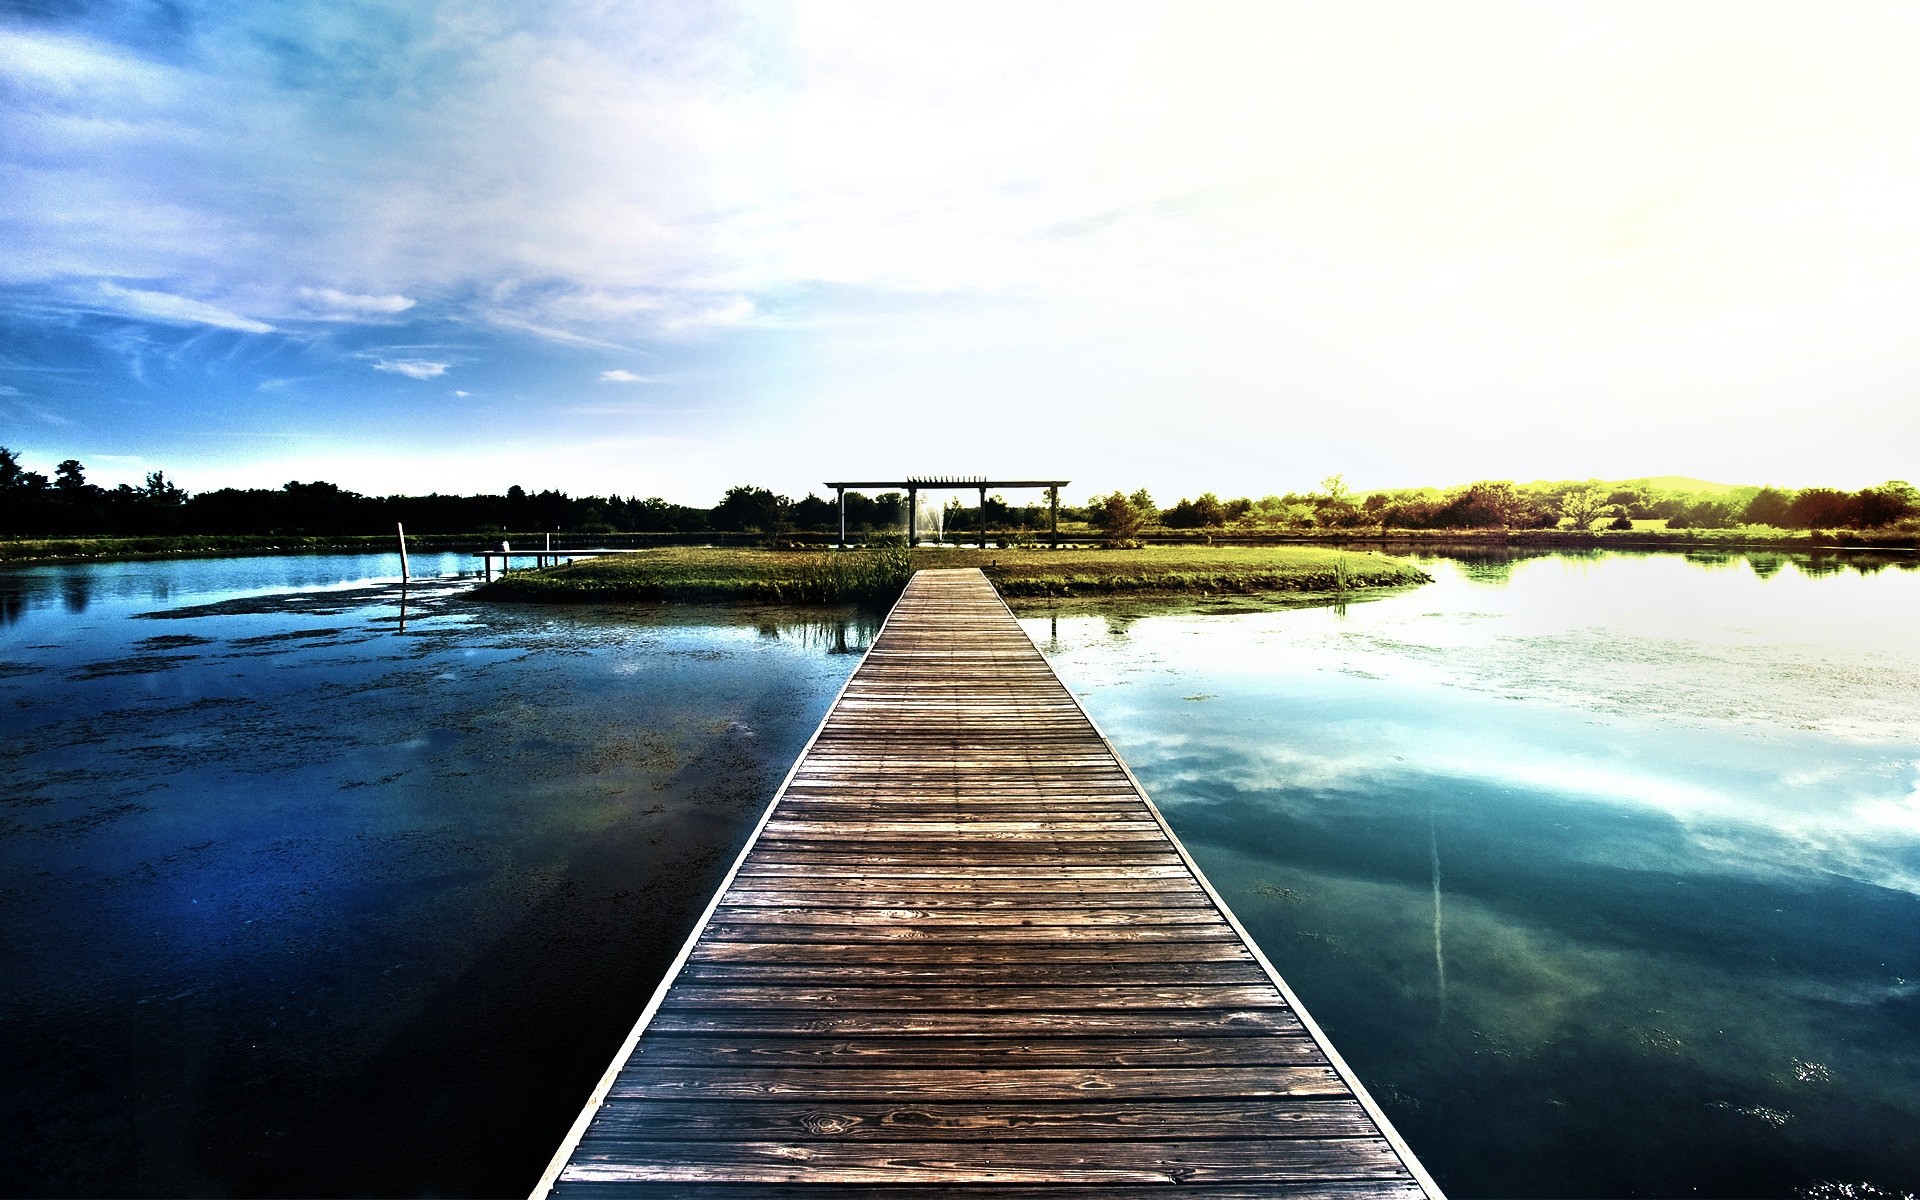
(23, 410)
(622, 375)
(336, 305)
(412, 368)
(507, 320)
(178, 310)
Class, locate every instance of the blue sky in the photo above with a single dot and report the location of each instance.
(661, 249)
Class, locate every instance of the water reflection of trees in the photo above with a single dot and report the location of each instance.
(13, 601)
(21, 594)
(1494, 564)
(76, 590)
(1819, 566)
(835, 635)
(1712, 560)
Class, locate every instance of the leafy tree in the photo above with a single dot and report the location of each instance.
(1821, 508)
(1483, 504)
(815, 513)
(1378, 509)
(750, 509)
(70, 476)
(1334, 507)
(1768, 507)
(160, 491)
(1118, 517)
(13, 476)
(887, 511)
(1886, 504)
(1582, 506)
(1633, 498)
(1196, 514)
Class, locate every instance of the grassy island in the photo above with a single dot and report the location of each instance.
(877, 575)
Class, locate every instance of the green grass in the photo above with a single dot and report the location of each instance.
(876, 576)
(70, 549)
(708, 574)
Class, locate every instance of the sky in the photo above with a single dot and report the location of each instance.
(662, 249)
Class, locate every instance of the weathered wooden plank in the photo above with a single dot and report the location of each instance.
(1024, 901)
(1063, 1021)
(955, 934)
(829, 1162)
(1299, 1189)
(926, 1085)
(967, 1121)
(798, 882)
(979, 998)
(983, 917)
(966, 861)
(1006, 974)
(1267, 1049)
(1036, 954)
(960, 866)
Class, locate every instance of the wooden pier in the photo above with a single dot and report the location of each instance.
(963, 955)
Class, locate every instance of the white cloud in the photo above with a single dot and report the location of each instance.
(412, 368)
(622, 375)
(462, 394)
(179, 310)
(336, 304)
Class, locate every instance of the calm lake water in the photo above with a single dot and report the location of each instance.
(296, 903)
(1603, 872)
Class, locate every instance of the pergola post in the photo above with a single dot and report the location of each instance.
(1053, 516)
(913, 517)
(983, 518)
(843, 517)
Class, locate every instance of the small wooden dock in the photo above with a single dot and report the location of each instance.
(963, 955)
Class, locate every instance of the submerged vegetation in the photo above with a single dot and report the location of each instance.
(876, 575)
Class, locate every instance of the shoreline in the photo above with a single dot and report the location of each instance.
(23, 551)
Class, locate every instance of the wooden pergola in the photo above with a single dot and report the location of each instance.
(913, 485)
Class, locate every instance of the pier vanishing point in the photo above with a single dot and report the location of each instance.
(963, 955)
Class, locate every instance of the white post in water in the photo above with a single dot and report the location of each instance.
(402, 531)
(546, 560)
(506, 558)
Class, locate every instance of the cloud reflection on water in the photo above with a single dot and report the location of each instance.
(1675, 810)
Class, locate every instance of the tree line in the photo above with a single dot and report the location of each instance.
(31, 504)
(1489, 504)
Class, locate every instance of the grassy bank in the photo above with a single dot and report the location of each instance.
(25, 550)
(83, 549)
(876, 576)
